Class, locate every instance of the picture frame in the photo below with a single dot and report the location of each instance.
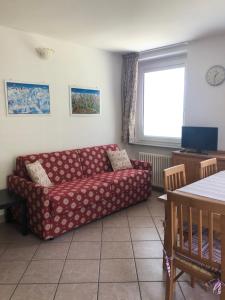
(26, 99)
(84, 101)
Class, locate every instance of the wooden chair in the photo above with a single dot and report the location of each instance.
(202, 255)
(208, 167)
(174, 178)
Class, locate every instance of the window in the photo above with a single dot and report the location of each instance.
(161, 101)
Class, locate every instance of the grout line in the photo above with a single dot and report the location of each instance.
(181, 290)
(25, 270)
(100, 258)
(139, 288)
(88, 282)
(63, 266)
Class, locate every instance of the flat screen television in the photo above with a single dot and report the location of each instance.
(199, 139)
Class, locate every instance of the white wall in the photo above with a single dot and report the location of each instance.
(71, 65)
(204, 104)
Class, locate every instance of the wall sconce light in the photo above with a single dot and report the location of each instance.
(45, 53)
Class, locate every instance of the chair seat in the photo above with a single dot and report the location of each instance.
(194, 263)
(205, 246)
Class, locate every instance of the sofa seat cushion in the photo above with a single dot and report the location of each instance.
(125, 180)
(76, 194)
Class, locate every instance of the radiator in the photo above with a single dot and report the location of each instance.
(159, 163)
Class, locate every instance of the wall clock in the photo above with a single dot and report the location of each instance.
(215, 75)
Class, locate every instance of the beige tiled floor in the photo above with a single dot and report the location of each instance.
(116, 258)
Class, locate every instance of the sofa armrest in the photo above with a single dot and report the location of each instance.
(29, 190)
(140, 164)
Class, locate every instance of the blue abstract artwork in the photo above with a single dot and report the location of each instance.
(27, 98)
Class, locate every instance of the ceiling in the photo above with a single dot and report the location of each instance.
(117, 25)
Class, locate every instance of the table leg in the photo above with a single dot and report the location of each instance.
(24, 227)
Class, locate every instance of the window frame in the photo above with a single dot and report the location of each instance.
(151, 65)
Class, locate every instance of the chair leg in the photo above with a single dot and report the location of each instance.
(165, 244)
(170, 284)
(192, 282)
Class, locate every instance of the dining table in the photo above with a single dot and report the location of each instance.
(211, 188)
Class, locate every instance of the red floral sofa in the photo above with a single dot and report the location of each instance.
(85, 188)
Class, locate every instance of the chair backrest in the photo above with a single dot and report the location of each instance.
(198, 208)
(174, 178)
(208, 167)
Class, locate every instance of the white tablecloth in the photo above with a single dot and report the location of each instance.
(211, 187)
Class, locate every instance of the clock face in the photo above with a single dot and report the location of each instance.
(215, 75)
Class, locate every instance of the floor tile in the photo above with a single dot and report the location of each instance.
(117, 270)
(159, 221)
(52, 251)
(185, 277)
(86, 234)
(94, 224)
(197, 293)
(10, 233)
(116, 234)
(84, 291)
(35, 292)
(156, 291)
(118, 278)
(3, 247)
(84, 250)
(19, 252)
(117, 250)
(77, 271)
(6, 291)
(156, 208)
(139, 210)
(140, 222)
(144, 234)
(119, 291)
(43, 271)
(161, 233)
(115, 220)
(11, 271)
(150, 270)
(64, 238)
(148, 249)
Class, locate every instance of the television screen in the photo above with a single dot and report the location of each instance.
(199, 138)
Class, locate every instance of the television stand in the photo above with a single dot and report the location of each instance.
(192, 162)
(194, 151)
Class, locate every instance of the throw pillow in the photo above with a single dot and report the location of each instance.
(119, 160)
(37, 174)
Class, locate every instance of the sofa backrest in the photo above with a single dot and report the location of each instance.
(60, 166)
(94, 160)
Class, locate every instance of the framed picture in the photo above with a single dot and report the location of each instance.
(27, 98)
(84, 102)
